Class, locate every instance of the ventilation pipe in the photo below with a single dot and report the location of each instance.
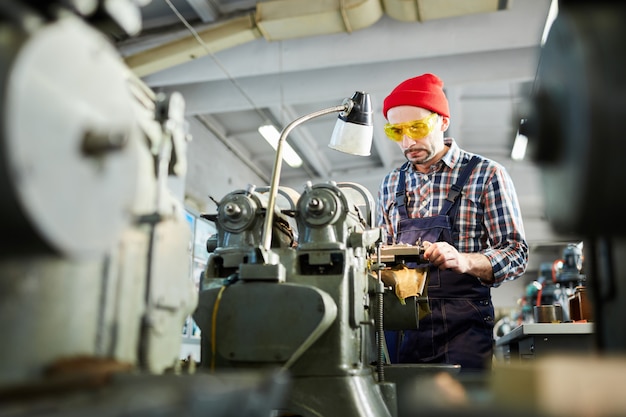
(288, 19)
(216, 38)
(423, 10)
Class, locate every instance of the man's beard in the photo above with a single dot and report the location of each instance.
(420, 161)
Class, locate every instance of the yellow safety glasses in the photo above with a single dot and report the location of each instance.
(416, 129)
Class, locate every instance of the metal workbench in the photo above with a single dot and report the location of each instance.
(529, 341)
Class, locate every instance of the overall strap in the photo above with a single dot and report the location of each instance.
(455, 190)
(401, 194)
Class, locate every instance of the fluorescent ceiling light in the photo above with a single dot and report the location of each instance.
(552, 13)
(519, 147)
(271, 135)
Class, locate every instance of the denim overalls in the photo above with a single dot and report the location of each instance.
(460, 328)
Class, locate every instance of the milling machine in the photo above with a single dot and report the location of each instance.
(312, 305)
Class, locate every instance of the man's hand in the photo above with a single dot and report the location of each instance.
(445, 256)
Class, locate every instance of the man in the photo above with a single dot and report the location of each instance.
(472, 243)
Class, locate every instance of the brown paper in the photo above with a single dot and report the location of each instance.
(406, 282)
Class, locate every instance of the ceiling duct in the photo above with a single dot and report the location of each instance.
(215, 38)
(422, 10)
(288, 19)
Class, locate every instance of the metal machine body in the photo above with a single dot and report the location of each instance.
(95, 264)
(87, 151)
(311, 312)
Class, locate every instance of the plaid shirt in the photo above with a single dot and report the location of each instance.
(489, 219)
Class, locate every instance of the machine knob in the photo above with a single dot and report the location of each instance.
(320, 206)
(238, 212)
(315, 206)
(232, 211)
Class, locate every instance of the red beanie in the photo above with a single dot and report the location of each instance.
(424, 91)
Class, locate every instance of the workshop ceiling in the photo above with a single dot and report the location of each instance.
(240, 63)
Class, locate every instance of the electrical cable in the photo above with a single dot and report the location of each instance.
(259, 111)
(214, 327)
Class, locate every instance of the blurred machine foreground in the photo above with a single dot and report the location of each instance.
(94, 284)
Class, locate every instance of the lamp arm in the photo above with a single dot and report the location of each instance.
(269, 214)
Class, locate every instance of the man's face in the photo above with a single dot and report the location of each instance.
(424, 151)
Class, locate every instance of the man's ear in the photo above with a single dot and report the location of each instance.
(445, 123)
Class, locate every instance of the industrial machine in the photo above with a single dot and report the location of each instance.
(94, 270)
(315, 309)
(557, 282)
